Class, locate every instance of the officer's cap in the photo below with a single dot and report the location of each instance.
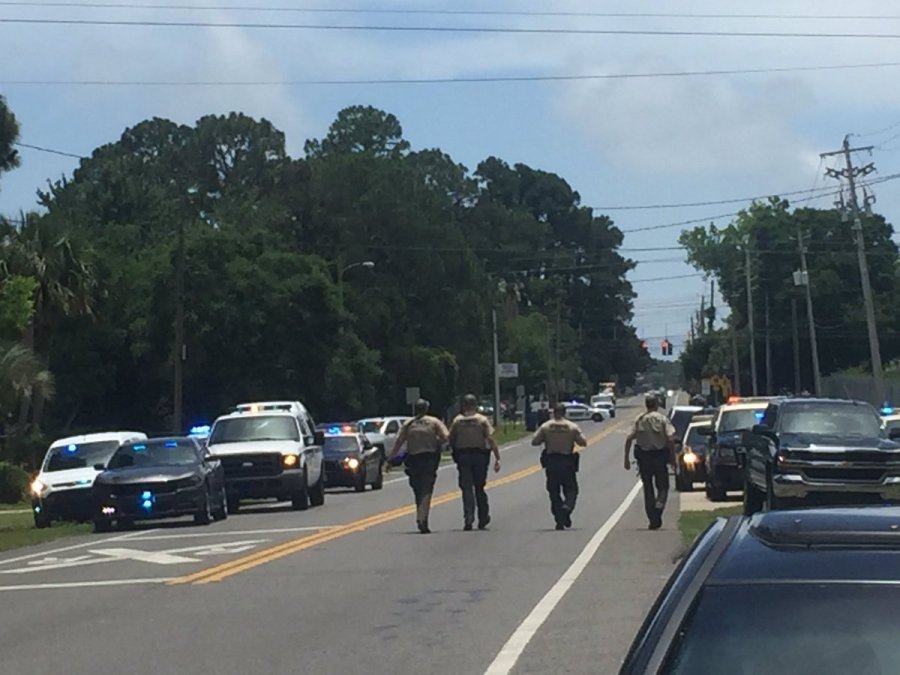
(422, 406)
(469, 401)
(559, 409)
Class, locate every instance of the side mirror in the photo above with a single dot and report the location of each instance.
(99, 467)
(367, 444)
(319, 438)
(894, 434)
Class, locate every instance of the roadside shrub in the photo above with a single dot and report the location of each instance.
(13, 483)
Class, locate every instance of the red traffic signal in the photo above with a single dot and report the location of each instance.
(666, 347)
(644, 345)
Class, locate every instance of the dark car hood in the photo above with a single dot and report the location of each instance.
(827, 442)
(340, 454)
(146, 474)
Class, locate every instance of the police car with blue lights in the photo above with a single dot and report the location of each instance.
(270, 450)
(62, 489)
(159, 478)
(351, 460)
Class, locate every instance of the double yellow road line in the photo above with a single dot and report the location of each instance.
(248, 562)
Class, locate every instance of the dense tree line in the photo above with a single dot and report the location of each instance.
(281, 292)
(770, 232)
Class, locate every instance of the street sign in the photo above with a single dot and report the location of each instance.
(520, 390)
(508, 370)
(705, 386)
(412, 395)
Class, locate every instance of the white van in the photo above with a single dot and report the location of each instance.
(62, 490)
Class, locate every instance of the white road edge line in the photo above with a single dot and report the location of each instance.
(83, 584)
(92, 542)
(512, 650)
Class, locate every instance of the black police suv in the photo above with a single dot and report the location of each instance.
(802, 591)
(159, 478)
(820, 448)
(725, 450)
(352, 461)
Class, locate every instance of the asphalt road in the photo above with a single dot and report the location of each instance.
(351, 587)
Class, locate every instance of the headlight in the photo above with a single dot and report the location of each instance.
(690, 457)
(290, 461)
(38, 488)
(352, 463)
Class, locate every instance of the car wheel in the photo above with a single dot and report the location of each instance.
(714, 493)
(317, 496)
(234, 505)
(204, 513)
(102, 525)
(379, 479)
(682, 484)
(754, 500)
(125, 523)
(41, 521)
(221, 513)
(300, 499)
(773, 501)
(360, 485)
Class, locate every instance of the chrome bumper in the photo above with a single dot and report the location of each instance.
(796, 485)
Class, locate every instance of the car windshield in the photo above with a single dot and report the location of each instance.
(370, 426)
(695, 439)
(340, 445)
(816, 629)
(80, 455)
(256, 428)
(740, 420)
(154, 453)
(830, 420)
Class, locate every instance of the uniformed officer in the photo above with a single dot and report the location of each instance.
(559, 437)
(472, 442)
(425, 437)
(655, 449)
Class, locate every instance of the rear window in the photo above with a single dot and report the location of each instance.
(695, 439)
(681, 420)
(741, 420)
(816, 629)
(155, 453)
(340, 444)
(370, 427)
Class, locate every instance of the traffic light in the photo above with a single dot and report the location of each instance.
(666, 347)
(644, 345)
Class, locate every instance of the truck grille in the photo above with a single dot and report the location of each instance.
(251, 466)
(845, 474)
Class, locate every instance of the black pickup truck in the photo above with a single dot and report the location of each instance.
(822, 449)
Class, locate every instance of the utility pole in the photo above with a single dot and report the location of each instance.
(769, 389)
(558, 335)
(851, 173)
(813, 344)
(179, 347)
(496, 374)
(749, 278)
(795, 335)
(712, 305)
(735, 359)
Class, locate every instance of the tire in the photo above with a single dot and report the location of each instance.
(102, 525)
(125, 524)
(361, 481)
(681, 483)
(772, 501)
(234, 505)
(204, 516)
(379, 480)
(317, 496)
(754, 500)
(714, 493)
(221, 513)
(300, 499)
(41, 521)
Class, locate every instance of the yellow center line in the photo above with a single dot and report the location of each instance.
(247, 562)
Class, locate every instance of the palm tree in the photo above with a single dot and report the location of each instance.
(43, 250)
(22, 377)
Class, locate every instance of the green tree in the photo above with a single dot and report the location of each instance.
(9, 135)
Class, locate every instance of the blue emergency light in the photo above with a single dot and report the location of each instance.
(147, 500)
(200, 430)
(171, 444)
(887, 410)
(71, 448)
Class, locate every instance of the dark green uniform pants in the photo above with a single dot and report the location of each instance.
(654, 470)
(422, 472)
(473, 470)
(561, 477)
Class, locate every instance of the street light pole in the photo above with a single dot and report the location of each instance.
(178, 355)
(496, 372)
(341, 271)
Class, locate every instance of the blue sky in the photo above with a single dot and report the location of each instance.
(619, 142)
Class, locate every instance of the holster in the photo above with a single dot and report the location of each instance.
(576, 461)
(543, 459)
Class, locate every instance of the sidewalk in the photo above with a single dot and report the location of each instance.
(591, 629)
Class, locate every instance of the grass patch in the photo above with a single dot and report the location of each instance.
(507, 433)
(693, 523)
(17, 530)
(26, 506)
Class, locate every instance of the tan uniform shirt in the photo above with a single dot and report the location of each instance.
(559, 436)
(423, 434)
(652, 431)
(470, 432)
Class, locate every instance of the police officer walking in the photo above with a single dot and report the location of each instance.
(655, 449)
(472, 442)
(559, 437)
(425, 437)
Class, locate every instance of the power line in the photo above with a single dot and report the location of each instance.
(717, 202)
(457, 12)
(147, 23)
(443, 80)
(49, 150)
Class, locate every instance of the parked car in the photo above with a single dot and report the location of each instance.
(690, 454)
(806, 591)
(680, 416)
(270, 450)
(607, 401)
(824, 448)
(382, 431)
(159, 478)
(581, 411)
(62, 489)
(725, 450)
(352, 461)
